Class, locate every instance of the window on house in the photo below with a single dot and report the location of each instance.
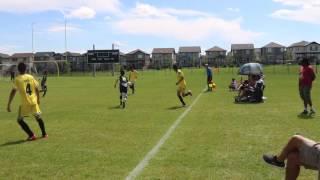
(247, 51)
(269, 50)
(140, 56)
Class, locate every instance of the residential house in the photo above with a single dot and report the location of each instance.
(296, 50)
(189, 56)
(40, 59)
(273, 53)
(257, 54)
(22, 57)
(77, 61)
(4, 62)
(163, 57)
(312, 51)
(137, 58)
(242, 53)
(216, 56)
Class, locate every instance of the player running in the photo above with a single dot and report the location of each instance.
(181, 83)
(44, 83)
(30, 100)
(123, 87)
(133, 76)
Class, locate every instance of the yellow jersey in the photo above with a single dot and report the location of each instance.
(26, 85)
(179, 76)
(133, 75)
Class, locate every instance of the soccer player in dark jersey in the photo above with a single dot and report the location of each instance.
(44, 87)
(123, 87)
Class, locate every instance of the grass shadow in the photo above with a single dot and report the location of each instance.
(175, 107)
(10, 143)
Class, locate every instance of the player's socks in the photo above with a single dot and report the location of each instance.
(181, 100)
(42, 127)
(25, 127)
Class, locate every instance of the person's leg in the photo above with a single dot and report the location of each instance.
(308, 98)
(292, 146)
(44, 90)
(180, 97)
(293, 166)
(41, 124)
(25, 127)
(132, 87)
(302, 95)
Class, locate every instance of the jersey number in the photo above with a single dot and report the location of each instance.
(28, 89)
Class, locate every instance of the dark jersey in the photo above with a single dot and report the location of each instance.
(123, 84)
(44, 80)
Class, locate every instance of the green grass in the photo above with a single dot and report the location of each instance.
(90, 138)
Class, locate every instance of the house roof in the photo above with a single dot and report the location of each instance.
(242, 46)
(312, 43)
(135, 51)
(4, 55)
(41, 54)
(273, 45)
(192, 49)
(72, 54)
(163, 50)
(215, 49)
(301, 43)
(22, 55)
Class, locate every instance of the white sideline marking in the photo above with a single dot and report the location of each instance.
(145, 161)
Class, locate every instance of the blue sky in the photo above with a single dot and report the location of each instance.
(147, 24)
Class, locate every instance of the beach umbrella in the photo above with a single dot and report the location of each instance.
(251, 69)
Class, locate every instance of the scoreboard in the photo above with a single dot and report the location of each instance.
(103, 56)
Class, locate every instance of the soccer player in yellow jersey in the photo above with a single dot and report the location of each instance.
(28, 89)
(182, 85)
(133, 76)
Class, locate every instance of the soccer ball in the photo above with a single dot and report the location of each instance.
(129, 83)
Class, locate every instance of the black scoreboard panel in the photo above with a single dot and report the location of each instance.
(103, 56)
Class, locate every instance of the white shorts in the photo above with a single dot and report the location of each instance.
(310, 155)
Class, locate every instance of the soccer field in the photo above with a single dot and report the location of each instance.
(91, 138)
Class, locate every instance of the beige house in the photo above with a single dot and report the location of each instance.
(189, 56)
(296, 49)
(137, 58)
(163, 57)
(242, 53)
(273, 53)
(216, 56)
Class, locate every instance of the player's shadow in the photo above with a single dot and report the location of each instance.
(305, 116)
(10, 143)
(175, 107)
(115, 107)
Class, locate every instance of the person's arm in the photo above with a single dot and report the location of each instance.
(11, 96)
(38, 95)
(181, 79)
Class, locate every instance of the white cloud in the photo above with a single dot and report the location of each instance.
(8, 49)
(300, 10)
(82, 13)
(69, 6)
(233, 9)
(62, 28)
(186, 25)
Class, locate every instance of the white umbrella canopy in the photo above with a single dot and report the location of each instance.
(251, 69)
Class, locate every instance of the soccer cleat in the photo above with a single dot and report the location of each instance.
(304, 112)
(31, 138)
(273, 160)
(45, 136)
(190, 92)
(312, 111)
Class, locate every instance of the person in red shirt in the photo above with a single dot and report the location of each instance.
(307, 76)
